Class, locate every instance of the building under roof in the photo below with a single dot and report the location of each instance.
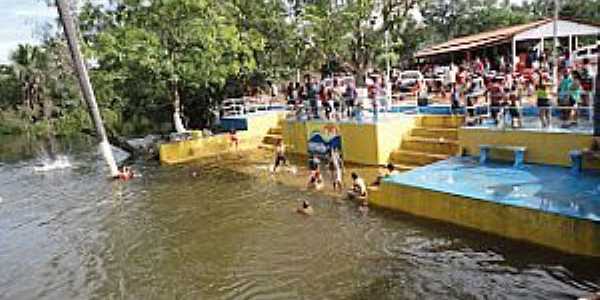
(534, 31)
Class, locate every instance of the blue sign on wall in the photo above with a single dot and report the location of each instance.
(322, 143)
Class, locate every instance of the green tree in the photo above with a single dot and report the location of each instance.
(29, 64)
(174, 44)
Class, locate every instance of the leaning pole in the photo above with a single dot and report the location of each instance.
(85, 85)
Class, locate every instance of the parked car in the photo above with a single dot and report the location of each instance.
(408, 80)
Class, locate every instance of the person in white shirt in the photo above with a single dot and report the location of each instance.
(359, 188)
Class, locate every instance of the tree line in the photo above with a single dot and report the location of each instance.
(149, 59)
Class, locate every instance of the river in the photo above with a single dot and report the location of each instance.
(231, 233)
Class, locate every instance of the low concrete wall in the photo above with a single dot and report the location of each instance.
(567, 234)
(362, 143)
(184, 151)
(542, 147)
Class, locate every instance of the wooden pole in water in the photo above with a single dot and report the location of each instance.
(85, 85)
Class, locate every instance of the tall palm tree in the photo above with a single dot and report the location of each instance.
(29, 65)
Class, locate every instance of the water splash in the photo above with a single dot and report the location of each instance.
(46, 165)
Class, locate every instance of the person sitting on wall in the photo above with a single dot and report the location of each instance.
(359, 188)
(388, 171)
(305, 208)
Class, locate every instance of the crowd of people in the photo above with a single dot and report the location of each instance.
(500, 93)
(335, 99)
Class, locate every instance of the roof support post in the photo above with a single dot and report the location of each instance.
(570, 46)
(514, 54)
(541, 47)
(576, 42)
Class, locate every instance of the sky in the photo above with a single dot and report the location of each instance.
(23, 22)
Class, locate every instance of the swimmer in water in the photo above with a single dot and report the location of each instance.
(305, 208)
(279, 156)
(126, 173)
(359, 189)
(315, 180)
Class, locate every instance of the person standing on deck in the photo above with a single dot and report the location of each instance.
(454, 99)
(575, 96)
(350, 96)
(373, 91)
(543, 101)
(564, 96)
(309, 95)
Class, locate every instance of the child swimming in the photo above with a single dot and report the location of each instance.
(315, 180)
(305, 208)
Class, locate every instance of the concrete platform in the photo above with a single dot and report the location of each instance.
(542, 204)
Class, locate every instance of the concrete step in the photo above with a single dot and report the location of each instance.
(431, 121)
(430, 145)
(446, 133)
(407, 157)
(272, 139)
(405, 167)
(266, 147)
(276, 130)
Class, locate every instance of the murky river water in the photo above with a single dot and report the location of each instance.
(231, 233)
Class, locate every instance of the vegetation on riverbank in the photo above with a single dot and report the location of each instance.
(149, 59)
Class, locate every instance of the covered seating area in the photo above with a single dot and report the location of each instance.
(538, 33)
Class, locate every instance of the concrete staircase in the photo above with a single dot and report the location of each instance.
(433, 139)
(270, 140)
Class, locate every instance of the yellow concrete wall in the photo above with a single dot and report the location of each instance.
(359, 143)
(563, 233)
(295, 137)
(390, 135)
(184, 151)
(259, 125)
(542, 147)
(369, 144)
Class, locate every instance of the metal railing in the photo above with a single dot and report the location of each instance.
(246, 105)
(553, 117)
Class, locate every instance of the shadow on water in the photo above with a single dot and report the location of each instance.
(230, 232)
